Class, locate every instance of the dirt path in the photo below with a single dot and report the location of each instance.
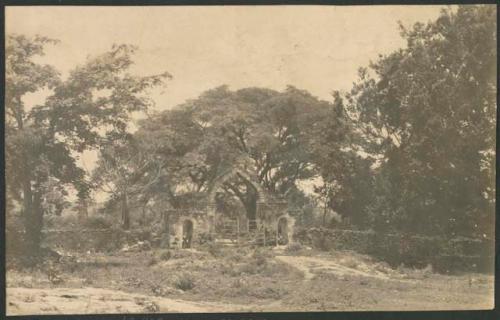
(310, 264)
(25, 301)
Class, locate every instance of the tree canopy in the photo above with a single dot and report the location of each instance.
(411, 147)
(43, 142)
(430, 112)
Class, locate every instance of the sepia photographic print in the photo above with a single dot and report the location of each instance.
(277, 158)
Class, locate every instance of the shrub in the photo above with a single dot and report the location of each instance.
(152, 262)
(214, 249)
(184, 282)
(110, 240)
(234, 256)
(205, 237)
(260, 260)
(351, 262)
(186, 254)
(165, 255)
(293, 247)
(261, 255)
(267, 292)
(230, 269)
(97, 222)
(249, 268)
(257, 263)
(416, 273)
(65, 221)
(14, 238)
(144, 234)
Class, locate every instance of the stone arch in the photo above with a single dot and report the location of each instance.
(178, 230)
(262, 196)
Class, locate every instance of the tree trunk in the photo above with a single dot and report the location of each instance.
(28, 217)
(37, 218)
(83, 212)
(166, 229)
(251, 207)
(144, 210)
(250, 204)
(325, 211)
(33, 220)
(248, 199)
(125, 212)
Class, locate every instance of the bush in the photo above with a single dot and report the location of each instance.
(86, 240)
(97, 222)
(186, 254)
(293, 247)
(261, 255)
(152, 262)
(350, 262)
(138, 235)
(110, 240)
(165, 255)
(257, 263)
(14, 238)
(184, 282)
(251, 267)
(234, 256)
(267, 292)
(205, 237)
(64, 222)
(214, 249)
(230, 269)
(416, 273)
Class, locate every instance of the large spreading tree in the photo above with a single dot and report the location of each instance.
(430, 111)
(43, 142)
(264, 129)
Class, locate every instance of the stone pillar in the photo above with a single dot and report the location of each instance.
(165, 235)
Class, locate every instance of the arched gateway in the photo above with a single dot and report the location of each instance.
(268, 227)
(250, 178)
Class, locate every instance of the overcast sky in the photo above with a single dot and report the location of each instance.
(317, 48)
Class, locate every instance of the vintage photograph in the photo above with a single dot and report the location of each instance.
(214, 159)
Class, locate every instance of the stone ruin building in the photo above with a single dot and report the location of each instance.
(272, 225)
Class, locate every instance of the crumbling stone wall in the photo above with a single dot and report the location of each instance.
(201, 226)
(445, 255)
(290, 226)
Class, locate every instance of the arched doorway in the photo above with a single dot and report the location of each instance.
(251, 199)
(187, 233)
(282, 231)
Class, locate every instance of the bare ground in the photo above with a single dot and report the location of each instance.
(237, 280)
(97, 300)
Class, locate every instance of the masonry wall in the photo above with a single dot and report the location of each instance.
(445, 255)
(201, 227)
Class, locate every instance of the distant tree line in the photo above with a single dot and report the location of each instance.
(410, 148)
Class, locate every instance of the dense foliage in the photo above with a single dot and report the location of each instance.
(87, 109)
(430, 112)
(410, 148)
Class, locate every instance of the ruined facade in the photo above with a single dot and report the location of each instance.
(272, 225)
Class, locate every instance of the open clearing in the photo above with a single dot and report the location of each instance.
(96, 300)
(238, 280)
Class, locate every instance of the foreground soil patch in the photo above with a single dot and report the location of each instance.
(237, 280)
(95, 300)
